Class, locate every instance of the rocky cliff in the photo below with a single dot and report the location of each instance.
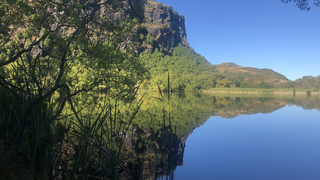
(162, 28)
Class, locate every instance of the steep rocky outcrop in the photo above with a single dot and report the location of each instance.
(162, 28)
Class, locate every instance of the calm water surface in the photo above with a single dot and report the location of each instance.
(284, 144)
(206, 136)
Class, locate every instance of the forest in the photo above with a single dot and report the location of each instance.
(54, 58)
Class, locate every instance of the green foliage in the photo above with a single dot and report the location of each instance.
(289, 84)
(188, 71)
(247, 84)
(141, 36)
(150, 38)
(170, 8)
(224, 83)
(53, 56)
(307, 82)
(251, 77)
(265, 85)
(161, 5)
(182, 17)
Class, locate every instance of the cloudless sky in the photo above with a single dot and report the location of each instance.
(254, 33)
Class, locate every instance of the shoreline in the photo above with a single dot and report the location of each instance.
(264, 91)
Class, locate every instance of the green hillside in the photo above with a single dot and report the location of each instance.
(189, 71)
(253, 75)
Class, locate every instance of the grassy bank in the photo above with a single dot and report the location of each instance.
(264, 91)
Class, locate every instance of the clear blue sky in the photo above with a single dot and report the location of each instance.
(254, 33)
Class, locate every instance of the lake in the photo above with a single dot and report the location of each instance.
(207, 136)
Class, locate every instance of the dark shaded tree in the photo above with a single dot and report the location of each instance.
(303, 4)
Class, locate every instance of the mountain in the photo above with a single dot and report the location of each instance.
(253, 74)
(164, 48)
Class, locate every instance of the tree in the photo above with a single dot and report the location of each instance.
(53, 55)
(52, 51)
(303, 4)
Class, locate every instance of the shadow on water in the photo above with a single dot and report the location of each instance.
(117, 140)
(163, 125)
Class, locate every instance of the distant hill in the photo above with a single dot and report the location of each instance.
(253, 74)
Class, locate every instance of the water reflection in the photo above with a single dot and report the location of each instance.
(163, 125)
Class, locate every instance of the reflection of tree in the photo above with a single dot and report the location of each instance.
(307, 103)
(157, 154)
(157, 151)
(191, 110)
(157, 140)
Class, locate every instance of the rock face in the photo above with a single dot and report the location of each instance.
(162, 28)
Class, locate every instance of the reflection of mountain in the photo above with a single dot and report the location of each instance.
(161, 127)
(191, 110)
(251, 106)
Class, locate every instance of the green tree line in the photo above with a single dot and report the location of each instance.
(190, 71)
(306, 82)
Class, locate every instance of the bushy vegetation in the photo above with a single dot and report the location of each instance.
(306, 82)
(54, 57)
(190, 71)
